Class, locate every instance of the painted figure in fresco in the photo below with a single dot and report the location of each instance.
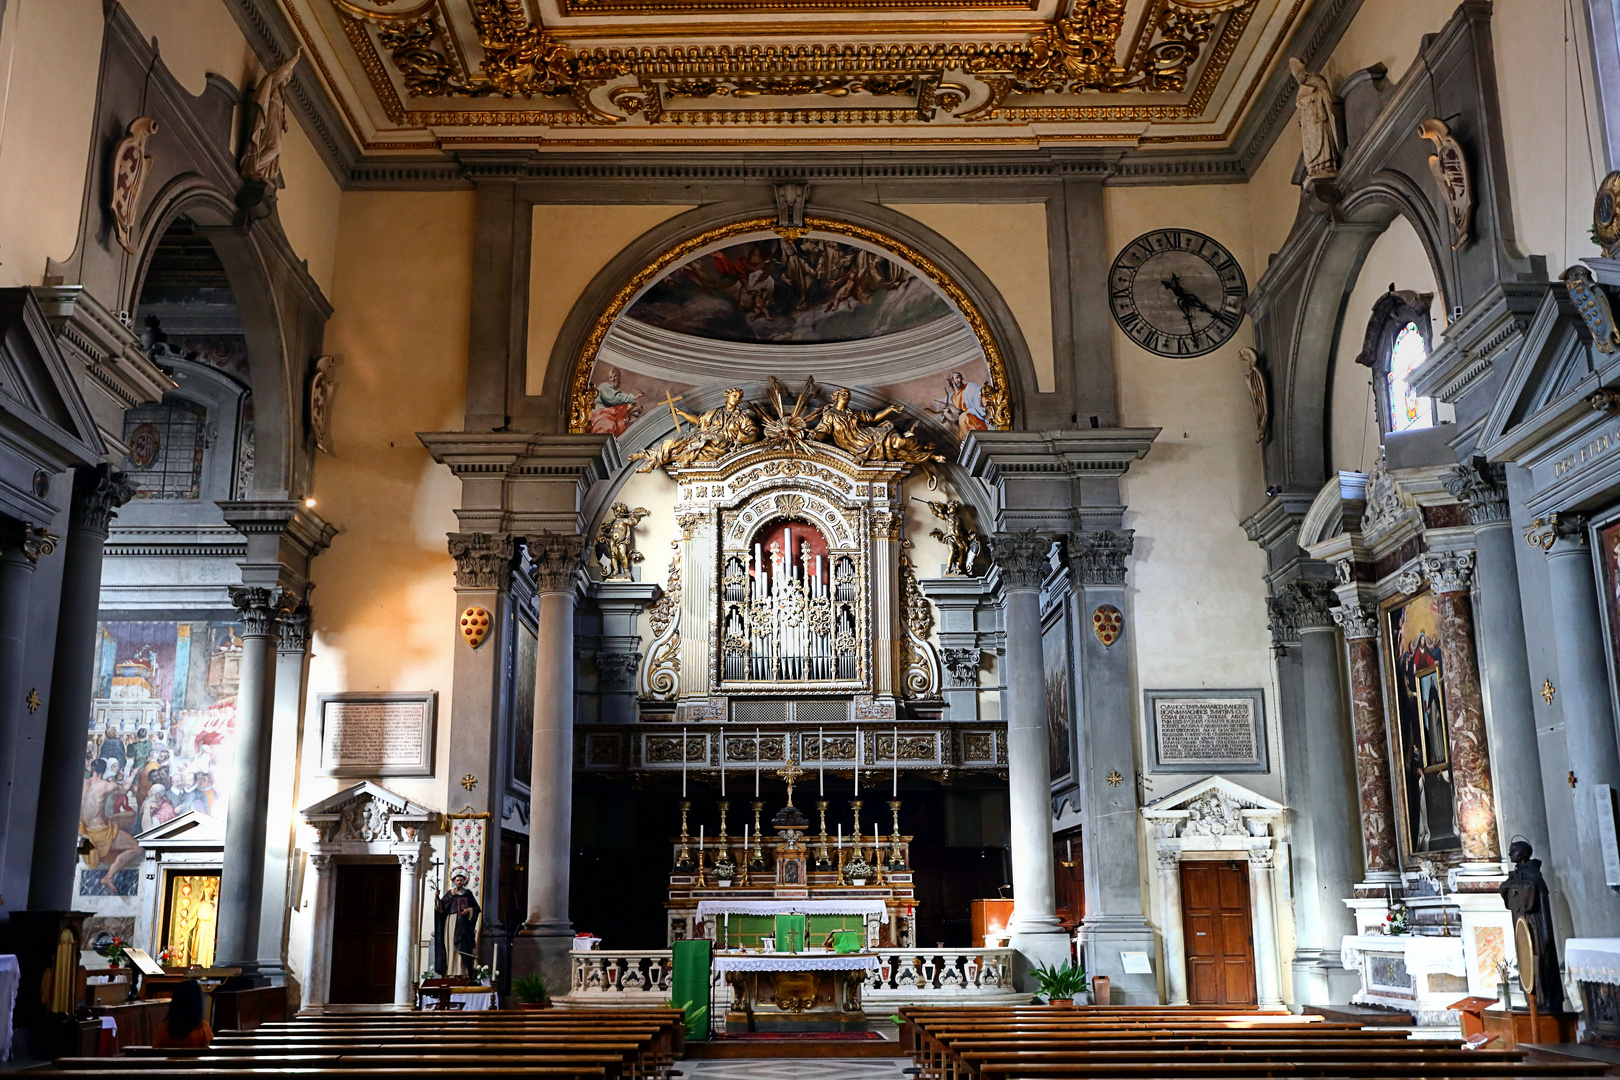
(460, 905)
(1526, 895)
(615, 409)
(962, 408)
(868, 436)
(140, 751)
(719, 431)
(110, 845)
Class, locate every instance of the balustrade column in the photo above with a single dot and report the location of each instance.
(1170, 917)
(1264, 914)
(241, 879)
(410, 885)
(1450, 574)
(1359, 622)
(97, 494)
(547, 932)
(1583, 692)
(1035, 928)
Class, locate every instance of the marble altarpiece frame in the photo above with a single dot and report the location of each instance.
(1605, 545)
(1419, 726)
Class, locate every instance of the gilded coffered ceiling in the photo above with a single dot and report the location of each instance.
(454, 74)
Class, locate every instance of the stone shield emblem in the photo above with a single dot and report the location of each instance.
(1107, 623)
(475, 626)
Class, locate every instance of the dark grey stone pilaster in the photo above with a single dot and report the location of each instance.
(21, 547)
(291, 664)
(97, 493)
(620, 604)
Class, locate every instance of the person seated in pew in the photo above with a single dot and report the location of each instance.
(185, 1026)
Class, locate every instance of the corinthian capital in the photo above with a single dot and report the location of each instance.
(260, 607)
(1448, 571)
(483, 560)
(557, 559)
(1098, 558)
(97, 493)
(1481, 486)
(1309, 603)
(1356, 620)
(1024, 558)
(294, 629)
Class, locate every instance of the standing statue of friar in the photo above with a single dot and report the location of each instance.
(1525, 894)
(461, 905)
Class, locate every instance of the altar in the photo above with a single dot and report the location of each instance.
(812, 990)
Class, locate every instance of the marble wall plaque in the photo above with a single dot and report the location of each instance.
(1207, 731)
(378, 734)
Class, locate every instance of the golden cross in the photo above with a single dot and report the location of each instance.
(670, 401)
(1547, 691)
(469, 781)
(790, 773)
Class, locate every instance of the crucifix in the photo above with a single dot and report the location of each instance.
(673, 412)
(790, 773)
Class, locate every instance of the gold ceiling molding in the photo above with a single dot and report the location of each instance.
(582, 392)
(587, 8)
(732, 84)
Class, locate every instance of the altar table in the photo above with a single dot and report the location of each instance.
(813, 990)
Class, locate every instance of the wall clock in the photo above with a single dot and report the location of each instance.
(1176, 292)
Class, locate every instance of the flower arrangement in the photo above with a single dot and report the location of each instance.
(115, 952)
(1395, 920)
(429, 974)
(169, 957)
(481, 974)
(724, 868)
(858, 869)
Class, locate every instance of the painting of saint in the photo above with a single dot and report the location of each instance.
(961, 410)
(1059, 720)
(1422, 739)
(1608, 537)
(790, 291)
(523, 704)
(615, 408)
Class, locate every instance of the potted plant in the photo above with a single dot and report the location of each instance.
(115, 953)
(481, 976)
(531, 993)
(1395, 921)
(724, 871)
(1060, 984)
(858, 870)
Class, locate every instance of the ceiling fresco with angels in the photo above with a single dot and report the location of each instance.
(423, 74)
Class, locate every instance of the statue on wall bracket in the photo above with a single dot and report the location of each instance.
(959, 537)
(617, 540)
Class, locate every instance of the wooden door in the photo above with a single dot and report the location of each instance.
(1219, 933)
(365, 929)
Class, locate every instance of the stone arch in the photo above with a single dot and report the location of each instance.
(610, 291)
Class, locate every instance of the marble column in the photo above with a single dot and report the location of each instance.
(1105, 705)
(410, 884)
(1036, 931)
(1510, 718)
(1450, 575)
(97, 494)
(1263, 907)
(1328, 863)
(318, 959)
(1583, 690)
(291, 657)
(21, 547)
(1170, 926)
(547, 933)
(241, 879)
(1359, 622)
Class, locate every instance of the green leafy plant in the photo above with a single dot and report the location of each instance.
(1060, 983)
(531, 990)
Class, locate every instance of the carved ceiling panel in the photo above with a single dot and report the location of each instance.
(426, 74)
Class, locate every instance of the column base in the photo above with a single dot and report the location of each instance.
(1036, 948)
(543, 950)
(1106, 938)
(1322, 979)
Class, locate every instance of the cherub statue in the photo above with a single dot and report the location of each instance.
(957, 535)
(617, 539)
(719, 431)
(868, 436)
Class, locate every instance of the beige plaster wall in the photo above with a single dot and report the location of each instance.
(1389, 32)
(1397, 257)
(1198, 616)
(570, 245)
(308, 206)
(384, 605)
(1007, 242)
(50, 51)
(196, 38)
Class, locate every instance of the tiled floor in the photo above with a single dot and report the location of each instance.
(801, 1069)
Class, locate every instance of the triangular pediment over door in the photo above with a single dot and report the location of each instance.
(45, 425)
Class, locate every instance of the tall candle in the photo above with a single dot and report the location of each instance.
(840, 836)
(821, 764)
(683, 763)
(759, 752)
(700, 843)
(896, 794)
(857, 763)
(745, 840)
(722, 765)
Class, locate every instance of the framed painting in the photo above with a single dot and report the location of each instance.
(522, 698)
(1059, 706)
(1606, 549)
(1419, 727)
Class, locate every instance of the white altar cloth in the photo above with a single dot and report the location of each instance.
(706, 908)
(1593, 960)
(804, 961)
(1424, 955)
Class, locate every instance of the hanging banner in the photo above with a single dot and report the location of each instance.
(467, 838)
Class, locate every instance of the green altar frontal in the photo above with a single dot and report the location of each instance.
(746, 931)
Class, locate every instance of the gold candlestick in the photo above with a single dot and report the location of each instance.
(822, 859)
(724, 847)
(841, 861)
(897, 860)
(855, 805)
(759, 852)
(683, 861)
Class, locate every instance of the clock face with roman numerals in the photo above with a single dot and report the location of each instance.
(1177, 292)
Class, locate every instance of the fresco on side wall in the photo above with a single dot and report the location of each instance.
(162, 727)
(1423, 749)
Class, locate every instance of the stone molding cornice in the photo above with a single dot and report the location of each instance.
(1024, 558)
(1481, 486)
(1448, 571)
(557, 561)
(289, 519)
(483, 560)
(108, 352)
(98, 492)
(1358, 621)
(1471, 345)
(1098, 558)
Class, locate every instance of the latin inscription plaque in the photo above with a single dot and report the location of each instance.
(378, 734)
(1207, 731)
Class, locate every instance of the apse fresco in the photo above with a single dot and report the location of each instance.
(162, 727)
(1422, 750)
(790, 292)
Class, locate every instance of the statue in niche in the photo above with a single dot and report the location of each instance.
(958, 536)
(1526, 896)
(617, 540)
(261, 161)
(719, 431)
(1258, 396)
(1318, 127)
(321, 387)
(869, 437)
